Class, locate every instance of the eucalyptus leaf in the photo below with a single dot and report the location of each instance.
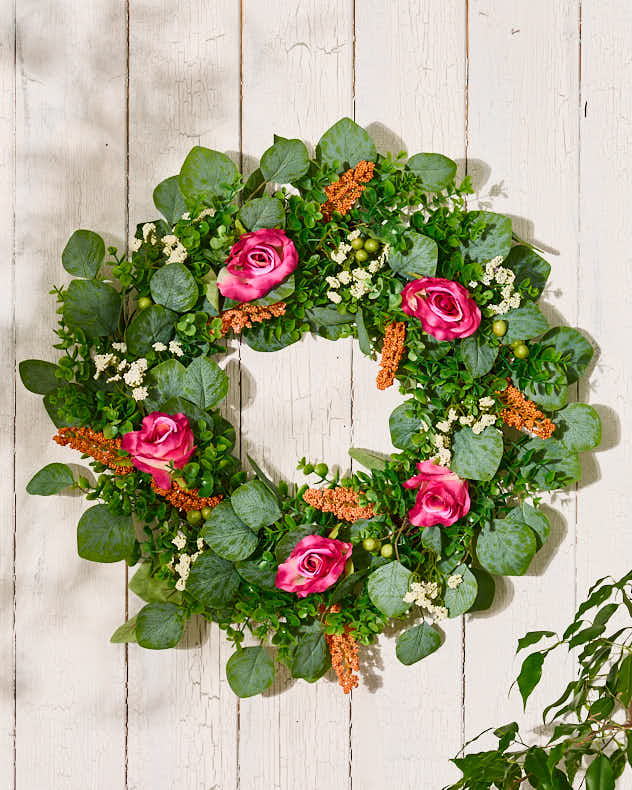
(227, 534)
(460, 599)
(83, 254)
(578, 426)
(476, 456)
(92, 306)
(173, 286)
(213, 580)
(205, 383)
(576, 350)
(387, 586)
(494, 241)
(103, 536)
(417, 643)
(262, 212)
(524, 323)
(506, 548)
(250, 671)
(431, 539)
(169, 200)
(159, 625)
(153, 589)
(477, 355)
(345, 144)
(38, 376)
(311, 658)
(539, 523)
(257, 573)
(368, 458)
(206, 174)
(404, 424)
(255, 504)
(420, 260)
(51, 479)
(153, 325)
(436, 171)
(125, 633)
(166, 381)
(529, 267)
(285, 162)
(548, 464)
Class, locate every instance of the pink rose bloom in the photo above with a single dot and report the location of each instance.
(165, 440)
(314, 565)
(442, 497)
(258, 262)
(445, 308)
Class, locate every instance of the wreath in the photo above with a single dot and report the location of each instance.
(347, 242)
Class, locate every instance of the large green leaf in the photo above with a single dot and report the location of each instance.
(495, 239)
(60, 419)
(506, 548)
(255, 504)
(346, 143)
(206, 173)
(436, 171)
(92, 306)
(578, 427)
(125, 633)
(529, 267)
(166, 381)
(420, 260)
(284, 162)
(524, 323)
(548, 463)
(387, 586)
(539, 523)
(52, 479)
(250, 671)
(194, 413)
(417, 643)
(159, 625)
(477, 354)
(103, 536)
(551, 392)
(169, 200)
(461, 598)
(262, 212)
(476, 456)
(486, 590)
(227, 534)
(262, 337)
(38, 376)
(174, 287)
(213, 580)
(600, 775)
(311, 656)
(153, 589)
(261, 574)
(368, 458)
(205, 383)
(83, 254)
(576, 350)
(153, 325)
(404, 424)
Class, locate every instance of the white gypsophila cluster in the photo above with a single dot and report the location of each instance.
(486, 418)
(102, 362)
(206, 212)
(135, 373)
(444, 454)
(120, 347)
(174, 250)
(183, 567)
(497, 274)
(175, 348)
(454, 581)
(158, 346)
(135, 244)
(180, 540)
(360, 279)
(424, 594)
(140, 393)
(149, 233)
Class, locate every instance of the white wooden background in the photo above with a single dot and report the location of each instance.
(100, 100)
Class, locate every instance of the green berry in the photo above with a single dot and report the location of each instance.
(194, 517)
(387, 550)
(499, 328)
(362, 256)
(371, 245)
(517, 343)
(321, 470)
(206, 512)
(370, 544)
(144, 302)
(308, 469)
(521, 351)
(357, 244)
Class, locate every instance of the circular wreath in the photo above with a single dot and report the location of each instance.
(378, 247)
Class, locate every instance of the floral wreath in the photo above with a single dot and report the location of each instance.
(379, 247)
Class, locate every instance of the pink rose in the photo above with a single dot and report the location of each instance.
(258, 262)
(164, 441)
(314, 565)
(445, 308)
(442, 497)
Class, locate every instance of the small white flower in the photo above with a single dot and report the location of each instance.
(149, 232)
(486, 402)
(344, 277)
(135, 244)
(355, 234)
(200, 544)
(472, 284)
(140, 393)
(455, 580)
(180, 540)
(116, 377)
(169, 240)
(102, 361)
(186, 215)
(333, 282)
(361, 275)
(334, 297)
(374, 267)
(158, 346)
(443, 426)
(468, 420)
(181, 585)
(207, 212)
(452, 415)
(175, 348)
(122, 347)
(358, 290)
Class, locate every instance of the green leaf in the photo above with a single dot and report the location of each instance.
(435, 170)
(227, 534)
(60, 419)
(262, 212)
(213, 580)
(506, 548)
(38, 376)
(311, 657)
(477, 355)
(254, 184)
(524, 323)
(286, 544)
(574, 347)
(624, 681)
(486, 590)
(103, 536)
(125, 632)
(599, 775)
(153, 325)
(166, 381)
(255, 504)
(261, 337)
(387, 586)
(206, 174)
(404, 424)
(205, 383)
(461, 598)
(211, 293)
(431, 539)
(345, 143)
(531, 638)
(578, 427)
(495, 239)
(261, 475)
(83, 254)
(476, 456)
(169, 200)
(277, 294)
(328, 316)
(527, 265)
(190, 410)
(285, 162)
(551, 393)
(420, 260)
(153, 589)
(417, 643)
(92, 306)
(250, 671)
(539, 523)
(368, 458)
(530, 674)
(363, 335)
(551, 465)
(506, 735)
(52, 479)
(159, 625)
(174, 287)
(537, 769)
(260, 574)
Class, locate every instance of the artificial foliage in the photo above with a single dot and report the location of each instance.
(344, 243)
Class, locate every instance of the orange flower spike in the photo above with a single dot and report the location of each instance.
(343, 649)
(96, 445)
(186, 499)
(244, 315)
(342, 194)
(343, 502)
(392, 353)
(522, 413)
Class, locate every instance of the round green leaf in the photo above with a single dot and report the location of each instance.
(387, 586)
(103, 536)
(166, 381)
(60, 419)
(52, 479)
(92, 306)
(255, 504)
(404, 424)
(550, 393)
(250, 671)
(461, 598)
(576, 351)
(227, 534)
(260, 574)
(262, 212)
(539, 523)
(205, 383)
(417, 643)
(431, 539)
(38, 376)
(311, 656)
(153, 589)
(174, 286)
(548, 464)
(506, 548)
(524, 323)
(213, 580)
(177, 405)
(435, 170)
(125, 633)
(346, 144)
(476, 456)
(206, 173)
(263, 337)
(486, 590)
(578, 427)
(83, 254)
(528, 267)
(169, 199)
(495, 239)
(420, 260)
(284, 162)
(159, 625)
(477, 355)
(153, 325)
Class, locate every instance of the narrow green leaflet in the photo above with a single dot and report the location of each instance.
(436, 171)
(228, 535)
(575, 349)
(528, 267)
(205, 383)
(624, 681)
(213, 580)
(363, 337)
(285, 162)
(476, 456)
(578, 427)
(92, 306)
(420, 260)
(404, 425)
(600, 775)
(153, 325)
(103, 536)
(52, 479)
(368, 458)
(83, 254)
(346, 144)
(250, 671)
(460, 599)
(532, 638)
(311, 657)
(530, 674)
(166, 381)
(495, 239)
(255, 504)
(173, 286)
(387, 586)
(153, 589)
(38, 376)
(159, 625)
(506, 548)
(169, 200)
(206, 174)
(550, 392)
(524, 323)
(549, 464)
(262, 212)
(539, 523)
(417, 643)
(477, 355)
(125, 633)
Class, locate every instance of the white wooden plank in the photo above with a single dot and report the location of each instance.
(523, 143)
(297, 81)
(410, 91)
(70, 154)
(184, 91)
